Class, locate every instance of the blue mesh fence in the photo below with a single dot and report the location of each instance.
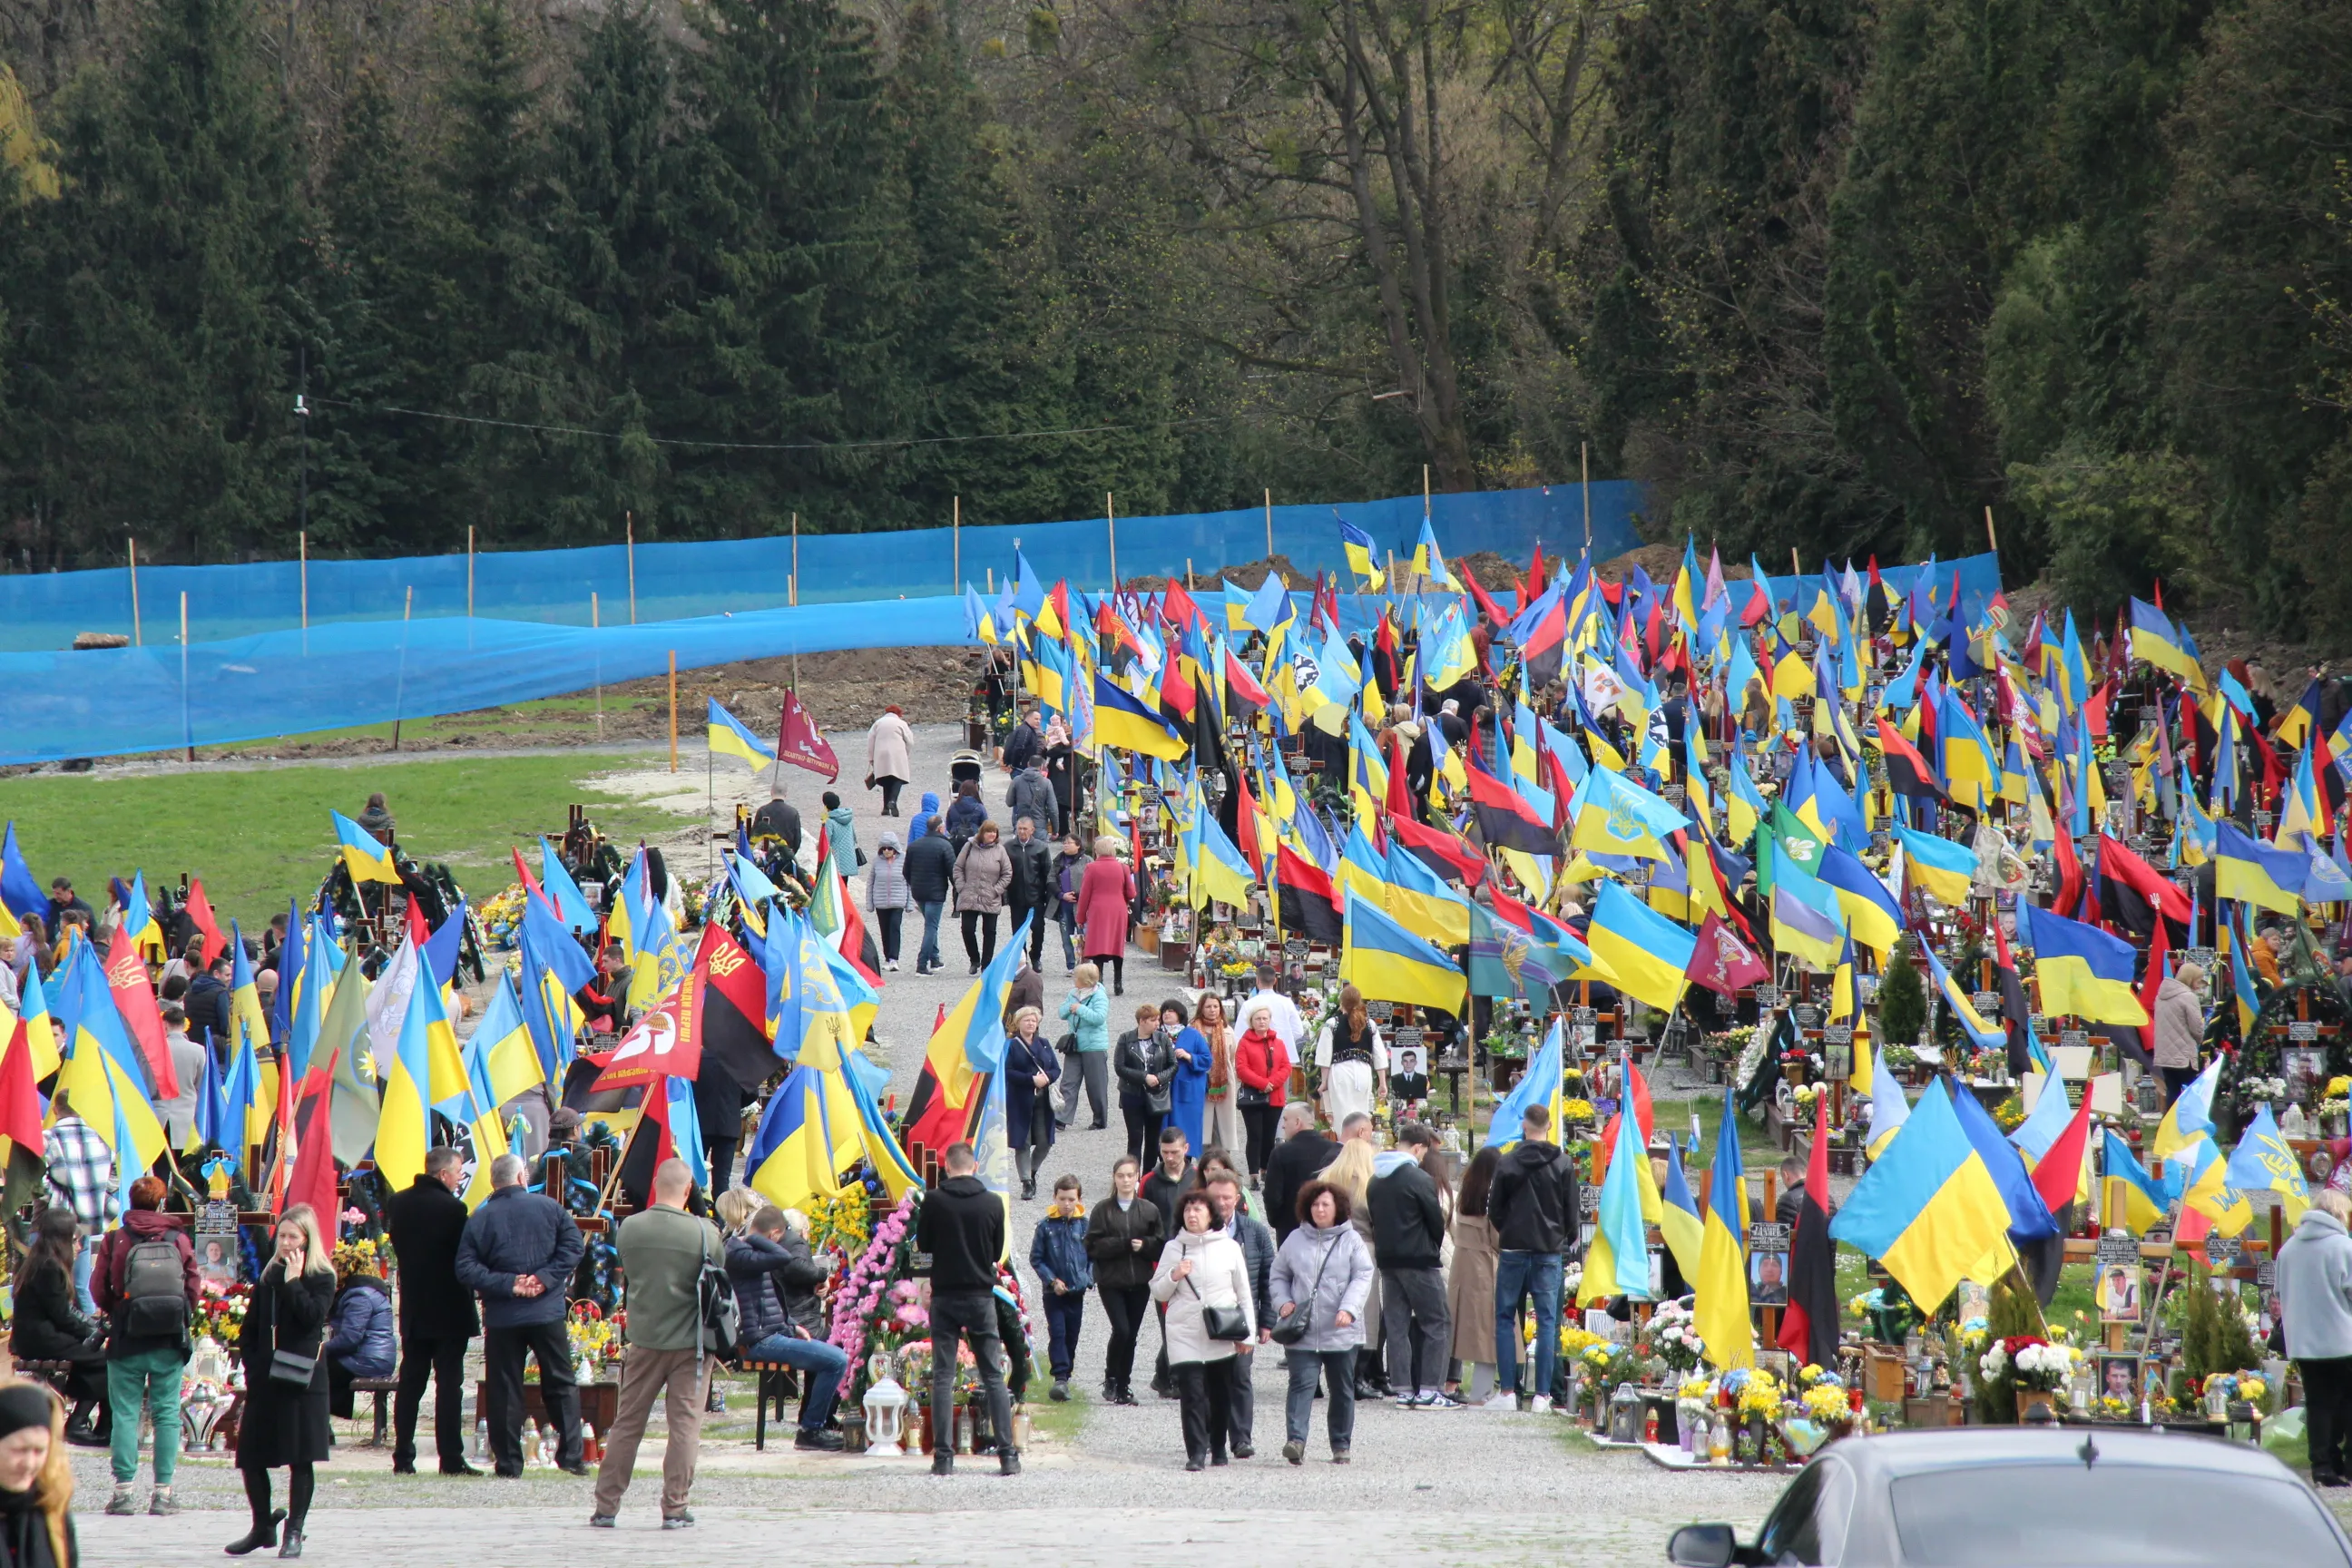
(711, 577)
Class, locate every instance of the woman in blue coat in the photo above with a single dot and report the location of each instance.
(360, 1340)
(1189, 1104)
(1032, 1068)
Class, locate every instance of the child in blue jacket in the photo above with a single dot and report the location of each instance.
(1058, 1253)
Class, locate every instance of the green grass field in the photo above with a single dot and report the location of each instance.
(257, 838)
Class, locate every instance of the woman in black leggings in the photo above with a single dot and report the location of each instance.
(1144, 1064)
(1124, 1235)
(285, 1424)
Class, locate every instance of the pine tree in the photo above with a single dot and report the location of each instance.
(150, 303)
(1902, 999)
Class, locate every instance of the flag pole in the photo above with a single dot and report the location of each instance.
(709, 815)
(673, 709)
(137, 640)
(955, 535)
(631, 523)
(187, 734)
(1584, 468)
(1110, 516)
(596, 623)
(400, 683)
(1269, 524)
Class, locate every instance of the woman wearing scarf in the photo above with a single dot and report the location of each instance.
(1222, 1124)
(36, 1480)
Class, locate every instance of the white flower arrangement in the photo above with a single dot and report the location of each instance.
(2262, 1087)
(1752, 1057)
(2050, 1362)
(1995, 1361)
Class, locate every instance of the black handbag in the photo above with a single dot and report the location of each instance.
(1289, 1331)
(287, 1367)
(1228, 1323)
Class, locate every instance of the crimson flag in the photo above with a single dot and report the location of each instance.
(801, 743)
(200, 909)
(1721, 961)
(134, 998)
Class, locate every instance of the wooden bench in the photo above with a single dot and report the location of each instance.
(52, 1373)
(380, 1387)
(777, 1382)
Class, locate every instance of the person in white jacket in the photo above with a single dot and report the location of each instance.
(1200, 1271)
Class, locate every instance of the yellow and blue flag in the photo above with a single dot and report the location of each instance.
(1361, 554)
(1422, 900)
(1678, 1216)
(1930, 1208)
(1871, 912)
(791, 1157)
(426, 1069)
(728, 738)
(1642, 953)
(1963, 1010)
(501, 1061)
(2130, 1196)
(1538, 1085)
(2250, 870)
(1219, 872)
(2262, 1162)
(103, 1072)
(1125, 722)
(2083, 970)
(1888, 1110)
(1429, 562)
(1617, 1258)
(366, 859)
(2190, 1115)
(2154, 641)
(1943, 869)
(1719, 1308)
(1390, 964)
(1805, 917)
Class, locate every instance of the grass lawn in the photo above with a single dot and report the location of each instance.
(255, 837)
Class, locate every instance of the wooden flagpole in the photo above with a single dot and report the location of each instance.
(1110, 515)
(187, 734)
(302, 544)
(137, 639)
(1584, 469)
(596, 623)
(1269, 524)
(630, 522)
(400, 685)
(673, 709)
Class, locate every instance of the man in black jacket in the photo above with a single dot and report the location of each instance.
(1034, 893)
(436, 1314)
(1408, 1230)
(518, 1251)
(1297, 1160)
(1534, 1212)
(779, 819)
(207, 1006)
(930, 869)
(959, 1236)
(776, 1278)
(1167, 1182)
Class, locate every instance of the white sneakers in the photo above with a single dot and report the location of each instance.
(1501, 1401)
(1541, 1404)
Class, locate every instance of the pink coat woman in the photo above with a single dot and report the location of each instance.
(1104, 893)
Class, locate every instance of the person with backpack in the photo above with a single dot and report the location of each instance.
(680, 1301)
(145, 1283)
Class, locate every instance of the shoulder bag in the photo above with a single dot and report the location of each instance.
(1230, 1324)
(1289, 1331)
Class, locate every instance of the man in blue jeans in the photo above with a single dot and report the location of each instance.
(1533, 1208)
(775, 1280)
(929, 869)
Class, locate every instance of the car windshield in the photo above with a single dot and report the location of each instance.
(2067, 1516)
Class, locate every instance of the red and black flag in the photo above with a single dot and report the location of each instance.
(1907, 773)
(1547, 642)
(2134, 892)
(1808, 1327)
(731, 1004)
(1505, 820)
(1440, 850)
(2013, 1010)
(1305, 900)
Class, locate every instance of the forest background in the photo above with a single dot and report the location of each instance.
(1835, 275)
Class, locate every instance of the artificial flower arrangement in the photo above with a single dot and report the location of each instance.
(2032, 1362)
(1826, 1403)
(1576, 1113)
(2253, 1089)
(596, 1339)
(220, 1311)
(2010, 1114)
(693, 898)
(502, 917)
(842, 1224)
(1760, 1395)
(1671, 1337)
(857, 1317)
(363, 1255)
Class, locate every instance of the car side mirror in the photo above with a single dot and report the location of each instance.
(1703, 1546)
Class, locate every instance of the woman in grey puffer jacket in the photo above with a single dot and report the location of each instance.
(888, 895)
(1323, 1270)
(983, 873)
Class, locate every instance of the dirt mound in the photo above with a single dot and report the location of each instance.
(1250, 575)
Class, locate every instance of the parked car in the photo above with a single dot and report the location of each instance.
(2036, 1497)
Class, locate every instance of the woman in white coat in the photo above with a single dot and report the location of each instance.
(1201, 1271)
(890, 757)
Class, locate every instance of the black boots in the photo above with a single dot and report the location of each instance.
(260, 1536)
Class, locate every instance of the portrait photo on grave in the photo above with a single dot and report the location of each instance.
(2119, 1378)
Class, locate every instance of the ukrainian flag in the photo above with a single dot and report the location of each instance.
(1678, 1216)
(729, 738)
(2207, 1194)
(2192, 1114)
(103, 1073)
(1617, 1258)
(1219, 872)
(1122, 721)
(1390, 964)
(2252, 871)
(791, 1157)
(2262, 1162)
(2129, 1196)
(1638, 950)
(138, 920)
(245, 1012)
(1538, 1085)
(363, 857)
(1719, 1308)
(1871, 912)
(1429, 563)
(1616, 817)
(1943, 869)
(2241, 982)
(427, 1068)
(1421, 899)
(1361, 555)
(501, 1060)
(1744, 806)
(2083, 970)
(2154, 641)
(1963, 1007)
(1888, 1110)
(1929, 1208)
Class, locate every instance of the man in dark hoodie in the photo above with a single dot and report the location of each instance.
(1408, 1231)
(959, 1236)
(929, 870)
(1533, 1208)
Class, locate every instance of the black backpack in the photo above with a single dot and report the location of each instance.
(154, 1291)
(723, 1315)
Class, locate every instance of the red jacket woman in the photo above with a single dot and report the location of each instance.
(1262, 1061)
(1106, 896)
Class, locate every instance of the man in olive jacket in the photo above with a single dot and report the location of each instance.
(426, 1224)
(518, 1251)
(663, 1250)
